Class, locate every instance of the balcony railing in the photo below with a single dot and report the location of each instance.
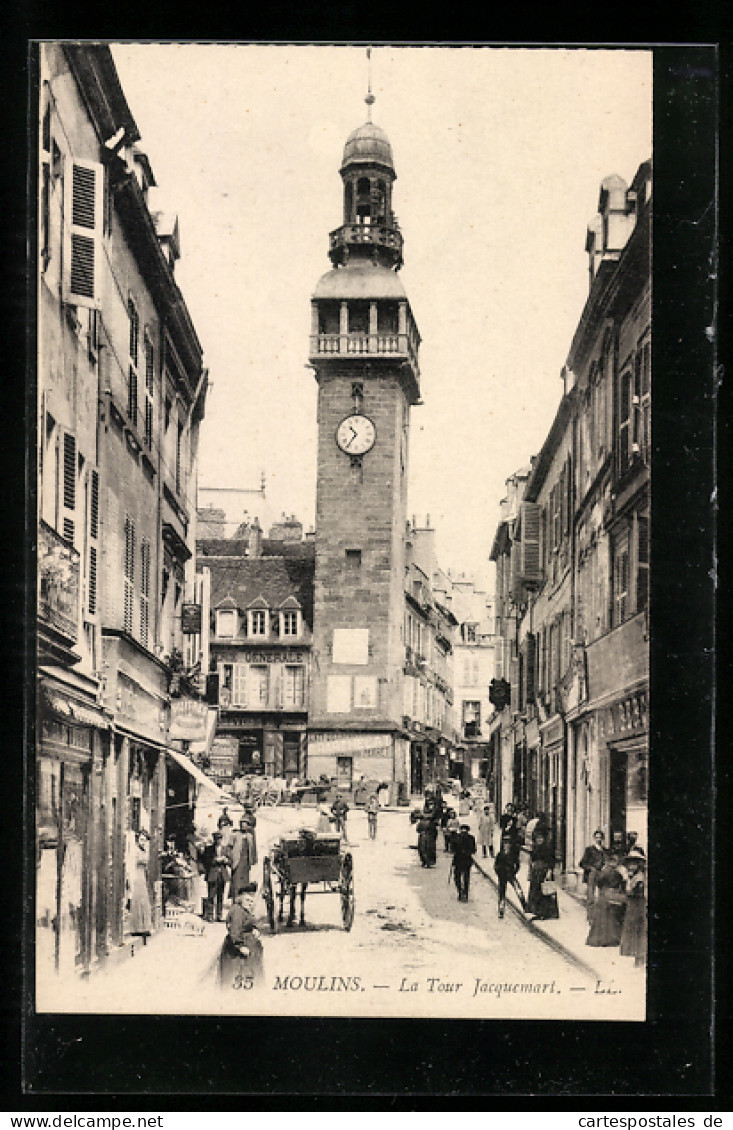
(375, 235)
(364, 344)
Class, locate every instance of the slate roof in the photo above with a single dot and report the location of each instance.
(271, 547)
(274, 579)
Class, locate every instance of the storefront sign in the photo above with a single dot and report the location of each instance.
(282, 655)
(191, 619)
(188, 720)
(629, 715)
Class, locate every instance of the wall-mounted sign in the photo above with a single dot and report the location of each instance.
(191, 619)
(188, 720)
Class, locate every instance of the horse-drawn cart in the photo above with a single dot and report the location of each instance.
(307, 859)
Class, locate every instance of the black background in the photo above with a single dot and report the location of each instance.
(151, 1063)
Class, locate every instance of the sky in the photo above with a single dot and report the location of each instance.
(499, 153)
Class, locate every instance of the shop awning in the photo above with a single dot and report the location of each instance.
(194, 771)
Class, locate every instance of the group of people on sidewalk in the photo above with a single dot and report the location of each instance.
(616, 884)
(514, 832)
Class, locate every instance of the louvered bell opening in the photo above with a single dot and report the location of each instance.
(82, 265)
(69, 530)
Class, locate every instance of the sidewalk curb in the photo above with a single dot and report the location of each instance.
(553, 943)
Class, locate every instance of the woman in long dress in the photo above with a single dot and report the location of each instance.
(608, 911)
(633, 934)
(427, 834)
(542, 860)
(141, 917)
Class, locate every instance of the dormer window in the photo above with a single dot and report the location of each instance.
(226, 623)
(257, 622)
(290, 623)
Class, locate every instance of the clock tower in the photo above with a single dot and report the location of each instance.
(364, 353)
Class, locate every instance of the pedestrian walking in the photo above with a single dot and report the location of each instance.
(633, 933)
(486, 830)
(541, 902)
(450, 829)
(241, 956)
(427, 834)
(243, 858)
(464, 849)
(506, 866)
(372, 811)
(591, 864)
(340, 810)
(216, 864)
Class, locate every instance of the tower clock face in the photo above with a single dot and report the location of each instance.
(356, 434)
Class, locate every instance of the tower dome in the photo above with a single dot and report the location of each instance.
(368, 145)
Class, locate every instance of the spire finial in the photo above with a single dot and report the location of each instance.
(370, 97)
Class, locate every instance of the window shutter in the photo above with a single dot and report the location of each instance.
(516, 590)
(129, 575)
(144, 591)
(239, 687)
(149, 390)
(93, 540)
(68, 486)
(530, 561)
(83, 208)
(514, 683)
(529, 668)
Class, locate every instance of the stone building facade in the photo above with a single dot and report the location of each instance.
(572, 557)
(122, 390)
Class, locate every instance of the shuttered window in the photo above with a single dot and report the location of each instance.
(144, 591)
(624, 420)
(239, 684)
(149, 389)
(93, 540)
(132, 386)
(531, 564)
(620, 580)
(68, 487)
(294, 686)
(129, 574)
(642, 562)
(82, 234)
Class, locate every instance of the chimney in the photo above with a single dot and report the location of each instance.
(254, 539)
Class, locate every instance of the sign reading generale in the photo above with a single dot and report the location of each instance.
(281, 655)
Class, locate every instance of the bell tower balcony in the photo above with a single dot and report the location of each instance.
(358, 330)
(379, 243)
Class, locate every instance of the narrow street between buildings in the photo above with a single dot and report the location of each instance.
(413, 950)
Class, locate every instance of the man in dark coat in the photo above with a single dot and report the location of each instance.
(216, 861)
(464, 849)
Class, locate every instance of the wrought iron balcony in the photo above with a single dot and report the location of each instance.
(369, 235)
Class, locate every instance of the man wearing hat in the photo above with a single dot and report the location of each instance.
(464, 849)
(244, 856)
(216, 861)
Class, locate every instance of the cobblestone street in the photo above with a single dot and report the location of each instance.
(413, 950)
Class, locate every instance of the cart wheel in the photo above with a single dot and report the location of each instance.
(267, 893)
(346, 887)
